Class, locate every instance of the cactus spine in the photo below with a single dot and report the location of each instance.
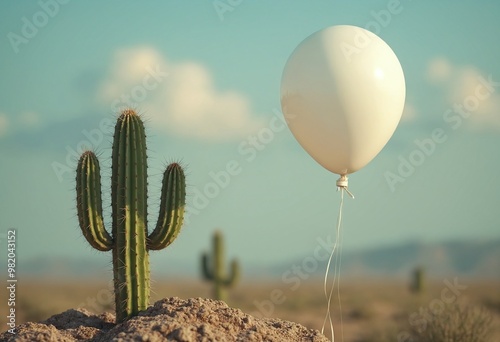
(129, 240)
(213, 270)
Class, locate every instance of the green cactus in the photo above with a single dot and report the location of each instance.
(129, 237)
(213, 270)
(417, 284)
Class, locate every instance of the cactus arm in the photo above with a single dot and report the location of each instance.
(234, 276)
(218, 257)
(205, 267)
(129, 193)
(89, 204)
(173, 200)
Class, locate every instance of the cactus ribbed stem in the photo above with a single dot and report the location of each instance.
(417, 285)
(129, 195)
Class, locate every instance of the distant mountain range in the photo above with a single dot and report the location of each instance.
(457, 258)
(472, 259)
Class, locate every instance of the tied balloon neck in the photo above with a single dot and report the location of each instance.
(342, 184)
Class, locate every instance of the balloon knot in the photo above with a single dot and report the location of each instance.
(342, 183)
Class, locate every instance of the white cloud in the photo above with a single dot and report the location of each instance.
(23, 121)
(468, 85)
(439, 70)
(180, 98)
(128, 69)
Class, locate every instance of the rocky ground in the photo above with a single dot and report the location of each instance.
(169, 319)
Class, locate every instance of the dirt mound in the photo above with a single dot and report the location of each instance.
(170, 319)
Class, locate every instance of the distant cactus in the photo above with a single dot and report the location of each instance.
(213, 268)
(129, 237)
(417, 281)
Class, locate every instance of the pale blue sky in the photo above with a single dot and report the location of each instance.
(224, 72)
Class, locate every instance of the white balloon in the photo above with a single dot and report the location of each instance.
(342, 94)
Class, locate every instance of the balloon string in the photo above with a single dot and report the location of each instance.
(337, 251)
